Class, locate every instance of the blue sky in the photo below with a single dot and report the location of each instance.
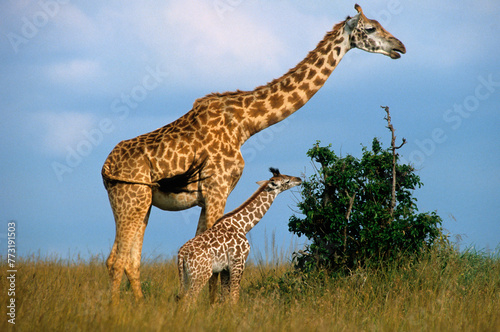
(77, 77)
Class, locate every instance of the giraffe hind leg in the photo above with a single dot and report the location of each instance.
(132, 269)
(124, 263)
(183, 277)
(212, 286)
(197, 282)
(225, 285)
(131, 205)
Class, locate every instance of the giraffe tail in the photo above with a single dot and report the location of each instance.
(175, 184)
(178, 183)
(108, 177)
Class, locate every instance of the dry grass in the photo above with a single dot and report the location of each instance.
(446, 291)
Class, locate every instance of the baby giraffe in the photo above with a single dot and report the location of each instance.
(224, 248)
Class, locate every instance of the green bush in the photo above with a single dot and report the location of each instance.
(352, 215)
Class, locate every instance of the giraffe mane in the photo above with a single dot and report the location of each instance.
(216, 95)
(245, 203)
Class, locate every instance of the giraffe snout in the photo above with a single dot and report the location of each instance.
(398, 49)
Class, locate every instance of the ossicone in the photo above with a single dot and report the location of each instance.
(275, 171)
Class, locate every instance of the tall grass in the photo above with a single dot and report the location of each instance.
(446, 290)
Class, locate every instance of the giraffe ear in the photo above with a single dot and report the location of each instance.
(261, 183)
(352, 22)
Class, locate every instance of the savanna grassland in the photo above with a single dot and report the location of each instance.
(444, 291)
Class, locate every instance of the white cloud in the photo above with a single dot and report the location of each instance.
(71, 28)
(60, 131)
(74, 18)
(235, 35)
(74, 71)
(199, 43)
(195, 40)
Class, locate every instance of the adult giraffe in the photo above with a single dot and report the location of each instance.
(196, 160)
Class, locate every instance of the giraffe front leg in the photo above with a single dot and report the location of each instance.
(111, 259)
(210, 213)
(214, 192)
(202, 222)
(235, 274)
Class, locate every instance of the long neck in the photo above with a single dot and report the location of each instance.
(245, 113)
(248, 214)
(269, 104)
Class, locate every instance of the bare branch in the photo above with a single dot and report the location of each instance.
(347, 216)
(404, 142)
(393, 148)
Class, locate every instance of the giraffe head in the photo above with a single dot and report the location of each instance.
(279, 182)
(370, 36)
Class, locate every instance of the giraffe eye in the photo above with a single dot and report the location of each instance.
(370, 29)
